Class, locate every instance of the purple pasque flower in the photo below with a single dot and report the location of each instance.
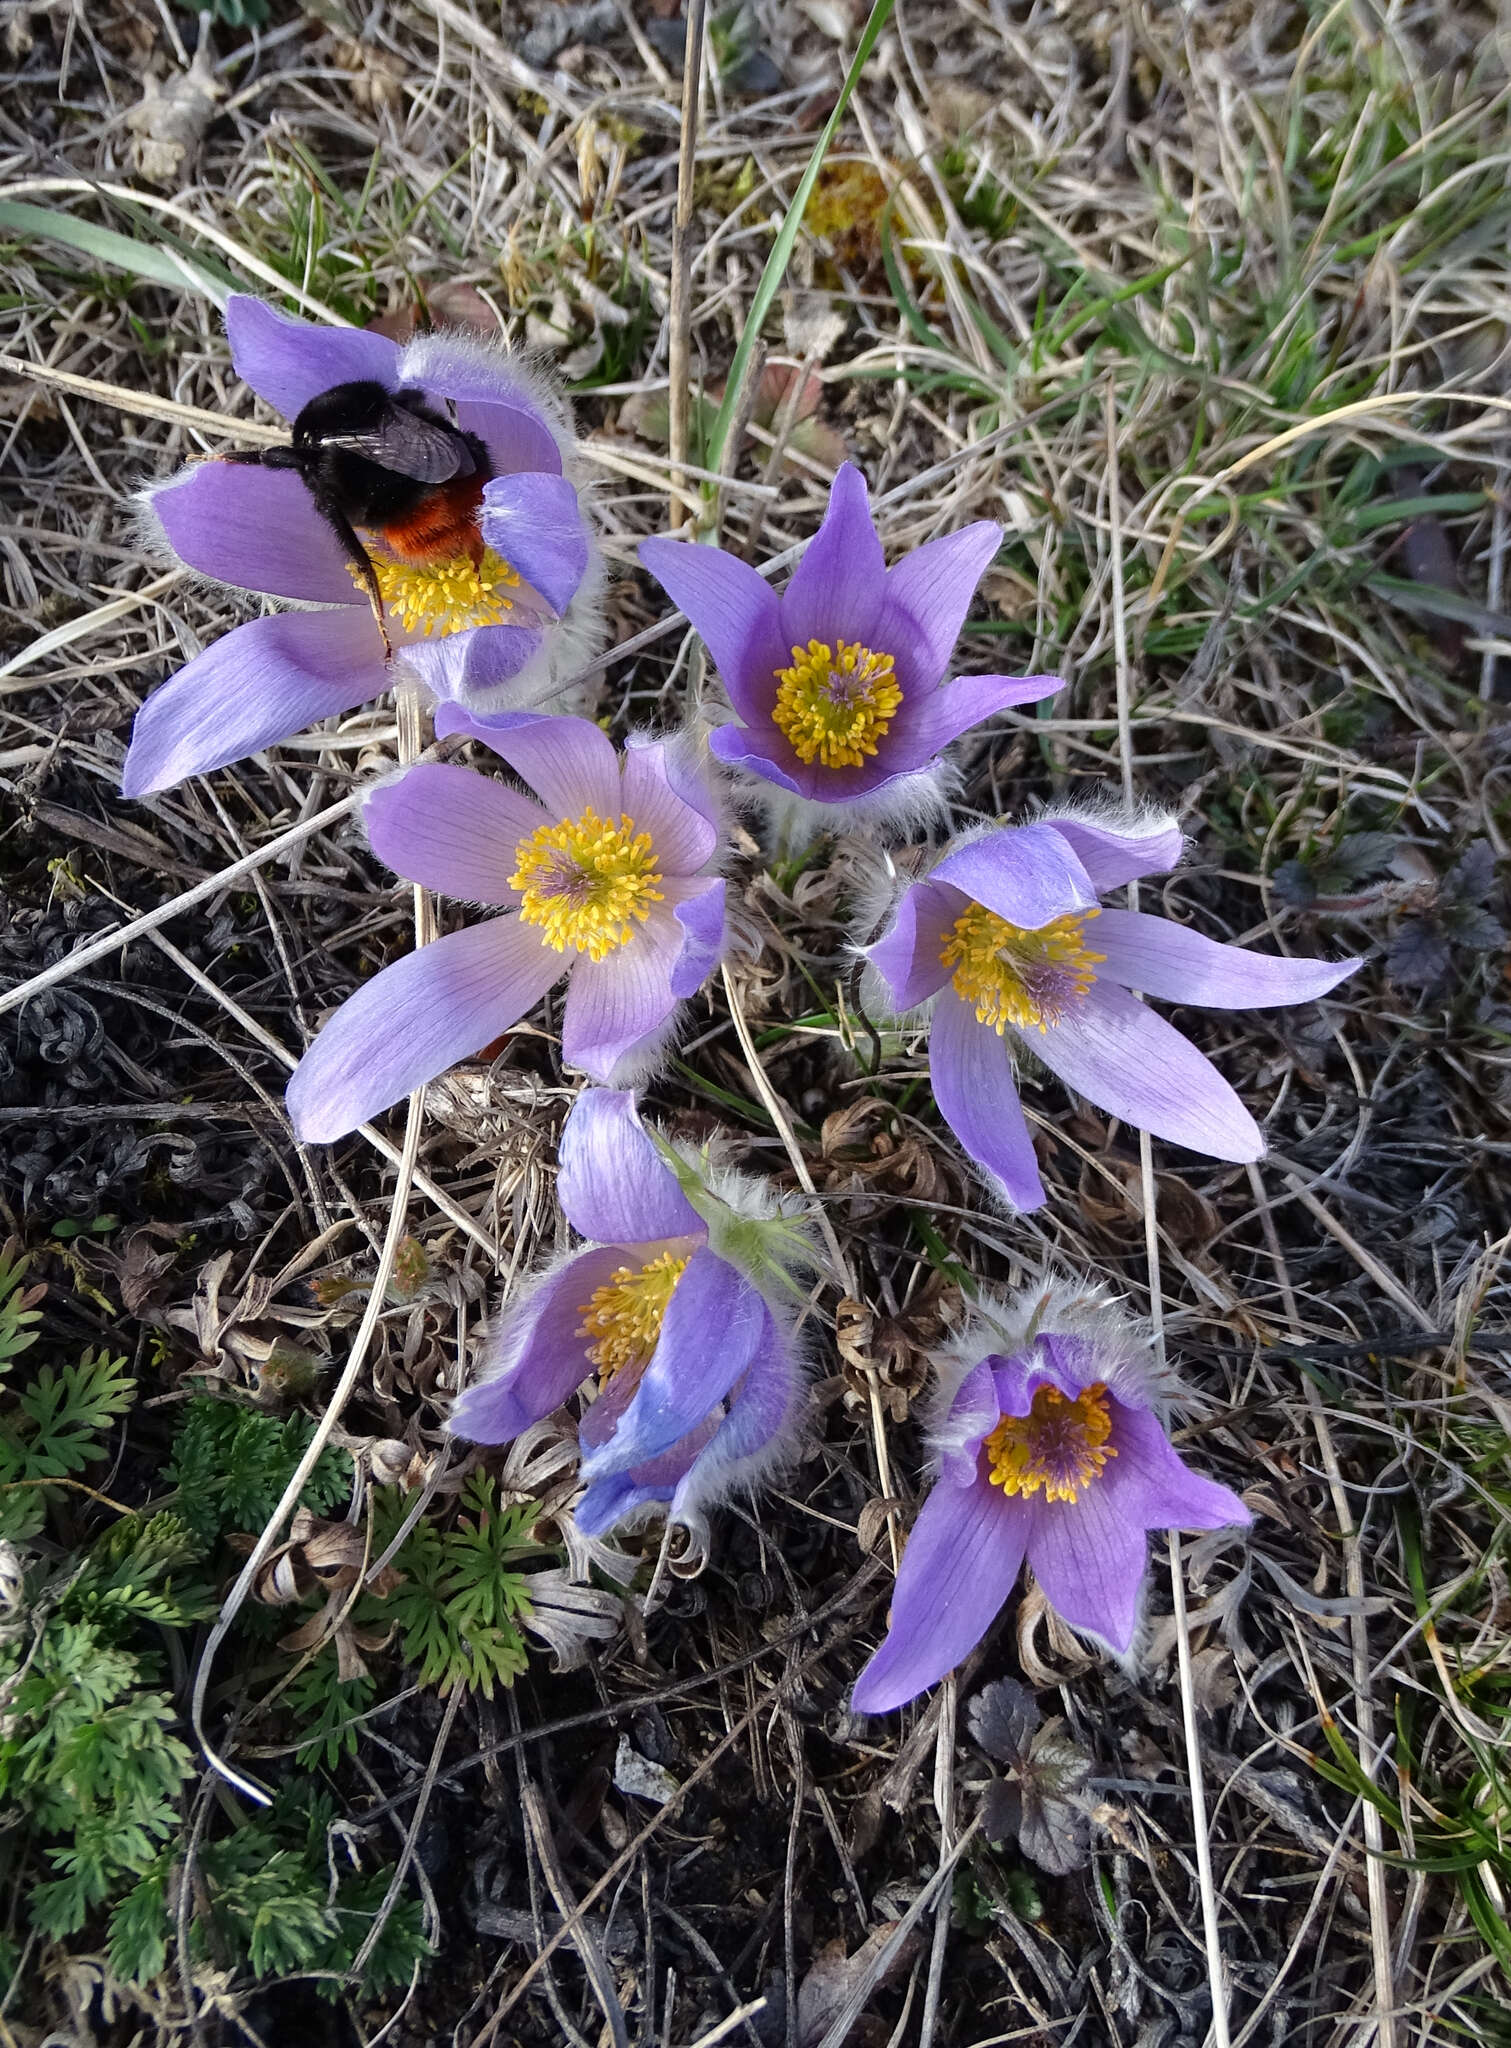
(1051, 1446)
(839, 685)
(1007, 931)
(677, 1304)
(496, 620)
(608, 874)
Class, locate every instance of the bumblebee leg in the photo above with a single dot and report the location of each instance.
(363, 564)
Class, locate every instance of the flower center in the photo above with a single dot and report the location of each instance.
(835, 705)
(1059, 1446)
(1017, 976)
(584, 879)
(624, 1316)
(450, 596)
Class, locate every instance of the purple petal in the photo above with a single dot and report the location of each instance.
(452, 829)
(759, 750)
(667, 798)
(1090, 1559)
(534, 1358)
(957, 1571)
(971, 1071)
(494, 399)
(608, 1501)
(288, 362)
(475, 662)
(570, 763)
(252, 687)
(518, 441)
(1025, 873)
(908, 956)
(701, 915)
(762, 1408)
(929, 722)
(837, 589)
(612, 1183)
(1152, 1485)
(616, 1004)
(735, 612)
(973, 1414)
(715, 1324)
(1171, 961)
(534, 521)
(1121, 1056)
(256, 529)
(933, 587)
(1114, 854)
(414, 1020)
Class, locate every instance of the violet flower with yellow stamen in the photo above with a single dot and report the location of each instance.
(609, 875)
(503, 619)
(1008, 935)
(680, 1311)
(840, 685)
(1051, 1445)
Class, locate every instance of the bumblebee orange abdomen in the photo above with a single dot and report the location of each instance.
(440, 524)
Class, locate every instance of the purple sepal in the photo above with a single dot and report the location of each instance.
(690, 1372)
(613, 1185)
(536, 1357)
(250, 689)
(288, 362)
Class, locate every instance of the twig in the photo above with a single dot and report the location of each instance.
(583, 1938)
(944, 1806)
(1149, 1200)
(289, 1500)
(855, 2004)
(411, 1834)
(680, 317)
(1370, 1757)
(122, 935)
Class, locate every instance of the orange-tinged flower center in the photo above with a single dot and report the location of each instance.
(586, 882)
(834, 704)
(1016, 976)
(624, 1316)
(1058, 1448)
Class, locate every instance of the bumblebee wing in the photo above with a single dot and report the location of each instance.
(410, 445)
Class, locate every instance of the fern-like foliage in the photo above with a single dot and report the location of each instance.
(462, 1595)
(231, 1464)
(325, 1705)
(268, 1903)
(59, 1422)
(90, 1755)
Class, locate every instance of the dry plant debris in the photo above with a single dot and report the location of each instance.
(1207, 308)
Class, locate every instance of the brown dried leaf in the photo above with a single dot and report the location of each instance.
(833, 1976)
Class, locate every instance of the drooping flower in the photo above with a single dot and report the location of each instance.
(1008, 932)
(679, 1309)
(839, 686)
(502, 619)
(607, 875)
(1051, 1445)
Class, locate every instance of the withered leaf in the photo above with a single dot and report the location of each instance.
(1054, 1829)
(1003, 1718)
(833, 1976)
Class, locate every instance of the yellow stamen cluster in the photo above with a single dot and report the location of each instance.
(624, 1316)
(835, 705)
(445, 597)
(584, 880)
(1016, 976)
(1059, 1447)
